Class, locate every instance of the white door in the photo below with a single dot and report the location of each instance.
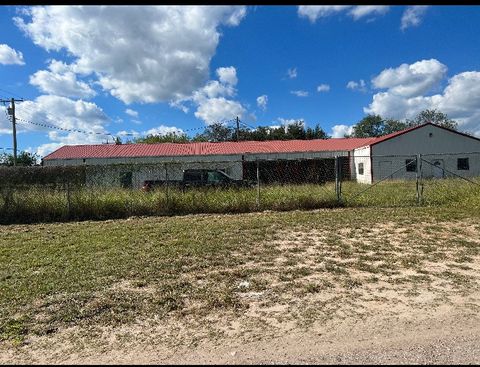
(438, 168)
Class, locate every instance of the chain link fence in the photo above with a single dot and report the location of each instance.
(33, 194)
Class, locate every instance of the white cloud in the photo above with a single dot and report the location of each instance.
(131, 112)
(339, 131)
(292, 73)
(411, 80)
(313, 12)
(460, 100)
(8, 56)
(61, 81)
(217, 109)
(323, 88)
(262, 102)
(363, 10)
(165, 56)
(64, 113)
(228, 75)
(5, 123)
(413, 16)
(299, 93)
(286, 122)
(353, 85)
(211, 102)
(163, 130)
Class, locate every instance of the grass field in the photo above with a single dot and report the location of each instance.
(311, 264)
(31, 204)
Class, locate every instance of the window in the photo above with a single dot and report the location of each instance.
(360, 168)
(462, 164)
(411, 165)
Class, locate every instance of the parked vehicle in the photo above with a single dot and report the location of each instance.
(201, 178)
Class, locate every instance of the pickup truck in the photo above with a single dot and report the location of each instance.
(200, 178)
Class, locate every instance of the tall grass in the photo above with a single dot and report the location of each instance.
(30, 204)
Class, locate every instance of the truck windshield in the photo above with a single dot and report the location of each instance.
(216, 176)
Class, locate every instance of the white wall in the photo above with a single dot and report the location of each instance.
(433, 143)
(362, 156)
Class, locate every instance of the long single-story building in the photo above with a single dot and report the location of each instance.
(363, 159)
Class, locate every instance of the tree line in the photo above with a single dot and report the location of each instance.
(369, 126)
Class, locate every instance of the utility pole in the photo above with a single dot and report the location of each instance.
(11, 112)
(238, 128)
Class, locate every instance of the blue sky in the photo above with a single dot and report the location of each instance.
(141, 70)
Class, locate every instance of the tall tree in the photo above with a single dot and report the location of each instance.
(369, 126)
(216, 132)
(434, 116)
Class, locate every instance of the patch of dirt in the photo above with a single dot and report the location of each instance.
(380, 294)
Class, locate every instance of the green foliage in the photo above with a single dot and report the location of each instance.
(435, 117)
(376, 125)
(23, 159)
(167, 138)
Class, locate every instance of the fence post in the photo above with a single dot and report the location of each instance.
(258, 184)
(166, 188)
(419, 184)
(338, 179)
(68, 200)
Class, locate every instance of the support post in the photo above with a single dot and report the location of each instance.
(338, 179)
(419, 183)
(258, 184)
(11, 112)
(167, 188)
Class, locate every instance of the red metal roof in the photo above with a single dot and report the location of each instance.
(205, 148)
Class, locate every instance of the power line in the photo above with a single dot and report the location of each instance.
(48, 126)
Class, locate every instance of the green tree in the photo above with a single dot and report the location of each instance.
(167, 138)
(23, 159)
(375, 126)
(216, 132)
(434, 116)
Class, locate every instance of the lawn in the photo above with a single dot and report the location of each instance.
(314, 264)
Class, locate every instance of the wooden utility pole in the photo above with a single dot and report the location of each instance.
(11, 112)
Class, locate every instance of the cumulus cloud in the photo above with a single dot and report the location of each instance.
(353, 85)
(460, 99)
(339, 131)
(9, 56)
(212, 100)
(131, 112)
(292, 73)
(413, 16)
(262, 102)
(411, 80)
(299, 93)
(323, 88)
(227, 75)
(61, 81)
(217, 109)
(313, 12)
(164, 57)
(64, 113)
